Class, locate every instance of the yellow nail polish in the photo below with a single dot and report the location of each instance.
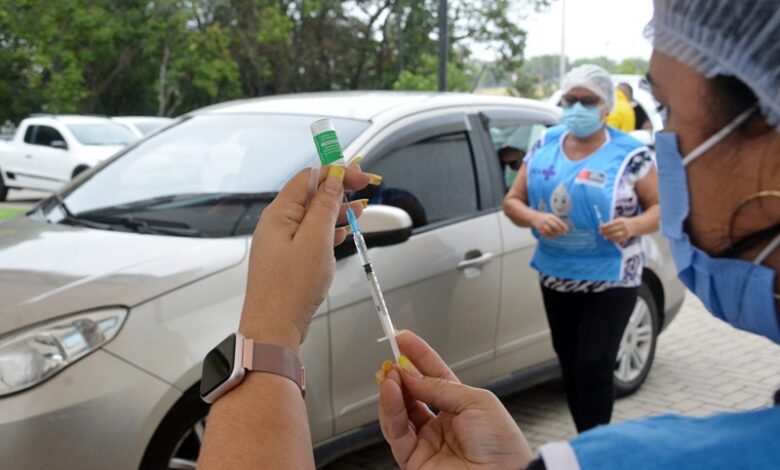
(356, 160)
(375, 180)
(407, 366)
(336, 173)
(363, 202)
(387, 366)
(379, 377)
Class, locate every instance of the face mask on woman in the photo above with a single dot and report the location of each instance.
(740, 292)
(581, 120)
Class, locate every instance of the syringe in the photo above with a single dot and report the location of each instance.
(329, 150)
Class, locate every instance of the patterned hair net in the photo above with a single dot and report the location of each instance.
(739, 38)
(593, 78)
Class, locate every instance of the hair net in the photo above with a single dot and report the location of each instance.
(739, 38)
(595, 79)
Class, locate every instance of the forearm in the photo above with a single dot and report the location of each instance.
(648, 221)
(519, 212)
(262, 423)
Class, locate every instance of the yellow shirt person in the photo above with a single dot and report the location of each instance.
(622, 116)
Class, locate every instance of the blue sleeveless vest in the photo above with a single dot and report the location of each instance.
(582, 194)
(725, 441)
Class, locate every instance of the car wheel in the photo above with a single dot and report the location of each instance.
(3, 188)
(176, 442)
(637, 347)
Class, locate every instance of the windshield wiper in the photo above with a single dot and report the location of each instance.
(73, 220)
(142, 225)
(177, 201)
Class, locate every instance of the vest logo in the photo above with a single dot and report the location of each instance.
(548, 172)
(592, 178)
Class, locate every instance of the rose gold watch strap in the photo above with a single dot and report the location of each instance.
(264, 357)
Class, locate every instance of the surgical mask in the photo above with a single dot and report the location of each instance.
(581, 120)
(737, 291)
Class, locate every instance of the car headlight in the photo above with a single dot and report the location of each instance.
(31, 355)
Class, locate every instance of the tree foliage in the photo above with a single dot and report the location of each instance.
(169, 56)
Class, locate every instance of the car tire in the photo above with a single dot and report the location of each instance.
(3, 188)
(176, 442)
(637, 346)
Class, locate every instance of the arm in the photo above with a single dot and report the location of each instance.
(622, 228)
(517, 209)
(262, 423)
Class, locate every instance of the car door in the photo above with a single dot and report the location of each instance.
(442, 283)
(522, 336)
(47, 166)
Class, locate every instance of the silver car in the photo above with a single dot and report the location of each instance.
(113, 290)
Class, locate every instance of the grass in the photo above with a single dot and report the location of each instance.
(7, 213)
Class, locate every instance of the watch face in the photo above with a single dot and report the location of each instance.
(218, 365)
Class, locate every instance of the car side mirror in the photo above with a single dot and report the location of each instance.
(59, 144)
(381, 226)
(646, 137)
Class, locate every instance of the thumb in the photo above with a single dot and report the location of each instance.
(446, 395)
(324, 207)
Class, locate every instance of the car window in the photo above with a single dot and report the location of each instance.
(212, 172)
(512, 143)
(29, 133)
(432, 180)
(46, 135)
(103, 133)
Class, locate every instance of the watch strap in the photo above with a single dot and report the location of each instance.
(265, 357)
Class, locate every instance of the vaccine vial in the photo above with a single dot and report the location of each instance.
(327, 142)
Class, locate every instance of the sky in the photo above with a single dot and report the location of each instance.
(593, 28)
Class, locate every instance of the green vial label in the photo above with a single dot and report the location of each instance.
(328, 147)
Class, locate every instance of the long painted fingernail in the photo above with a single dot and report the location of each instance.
(335, 178)
(387, 366)
(363, 202)
(379, 376)
(374, 180)
(408, 367)
(356, 160)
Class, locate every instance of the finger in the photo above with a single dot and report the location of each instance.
(356, 206)
(560, 225)
(446, 395)
(340, 236)
(418, 412)
(394, 421)
(324, 208)
(424, 356)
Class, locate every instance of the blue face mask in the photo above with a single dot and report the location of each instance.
(740, 292)
(582, 121)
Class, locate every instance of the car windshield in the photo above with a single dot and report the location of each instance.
(103, 133)
(148, 126)
(209, 174)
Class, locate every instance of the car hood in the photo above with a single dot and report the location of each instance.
(47, 270)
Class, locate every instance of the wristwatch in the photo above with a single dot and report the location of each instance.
(225, 366)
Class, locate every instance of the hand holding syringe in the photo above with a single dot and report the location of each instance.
(329, 150)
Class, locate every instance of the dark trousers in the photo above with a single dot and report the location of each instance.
(586, 331)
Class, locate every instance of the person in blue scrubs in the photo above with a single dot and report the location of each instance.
(715, 70)
(589, 192)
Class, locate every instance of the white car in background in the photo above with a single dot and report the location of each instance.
(113, 291)
(142, 126)
(47, 151)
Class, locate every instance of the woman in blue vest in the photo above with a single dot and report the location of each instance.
(588, 191)
(715, 70)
